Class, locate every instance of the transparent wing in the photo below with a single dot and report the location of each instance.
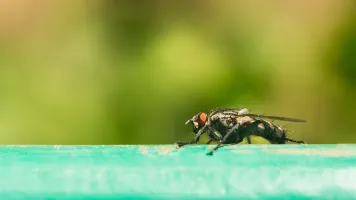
(274, 117)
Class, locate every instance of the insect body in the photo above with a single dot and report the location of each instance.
(230, 125)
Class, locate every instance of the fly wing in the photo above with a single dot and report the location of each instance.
(274, 117)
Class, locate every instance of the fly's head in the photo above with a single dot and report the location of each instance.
(198, 121)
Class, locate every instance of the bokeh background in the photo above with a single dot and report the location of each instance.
(132, 72)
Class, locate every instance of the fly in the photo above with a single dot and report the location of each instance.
(231, 125)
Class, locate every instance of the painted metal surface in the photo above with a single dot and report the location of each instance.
(164, 172)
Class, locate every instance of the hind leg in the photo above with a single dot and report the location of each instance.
(252, 129)
(294, 141)
(285, 139)
(248, 140)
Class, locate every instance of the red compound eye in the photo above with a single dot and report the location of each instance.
(203, 117)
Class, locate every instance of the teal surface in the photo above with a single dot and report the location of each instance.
(164, 172)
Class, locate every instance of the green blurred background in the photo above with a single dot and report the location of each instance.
(132, 72)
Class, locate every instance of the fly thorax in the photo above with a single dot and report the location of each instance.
(227, 123)
(219, 122)
(216, 117)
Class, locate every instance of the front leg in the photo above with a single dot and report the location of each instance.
(221, 142)
(181, 144)
(195, 140)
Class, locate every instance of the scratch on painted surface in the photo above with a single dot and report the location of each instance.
(144, 149)
(164, 150)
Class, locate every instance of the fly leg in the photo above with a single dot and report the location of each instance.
(252, 128)
(248, 139)
(221, 142)
(195, 140)
(209, 141)
(214, 134)
(180, 144)
(295, 141)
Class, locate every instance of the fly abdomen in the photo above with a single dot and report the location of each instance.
(274, 133)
